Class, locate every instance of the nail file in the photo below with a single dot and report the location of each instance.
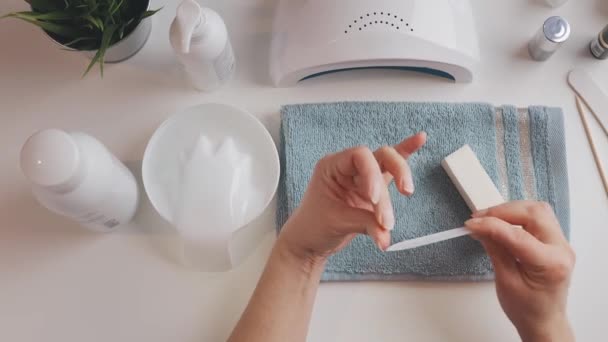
(592, 95)
(474, 185)
(429, 239)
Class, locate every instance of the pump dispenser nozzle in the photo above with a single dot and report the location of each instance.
(189, 17)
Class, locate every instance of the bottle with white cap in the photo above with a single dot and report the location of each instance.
(200, 40)
(74, 175)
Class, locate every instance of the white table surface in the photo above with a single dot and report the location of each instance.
(59, 282)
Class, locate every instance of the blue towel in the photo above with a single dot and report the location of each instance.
(522, 150)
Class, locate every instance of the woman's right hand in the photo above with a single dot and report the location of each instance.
(532, 264)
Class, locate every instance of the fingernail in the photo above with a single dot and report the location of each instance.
(472, 221)
(377, 243)
(376, 192)
(388, 220)
(480, 213)
(408, 185)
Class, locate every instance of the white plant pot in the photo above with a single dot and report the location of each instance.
(129, 45)
(123, 49)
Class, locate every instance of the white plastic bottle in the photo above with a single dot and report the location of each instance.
(200, 41)
(75, 175)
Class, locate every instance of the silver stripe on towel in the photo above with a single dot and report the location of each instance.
(503, 178)
(525, 153)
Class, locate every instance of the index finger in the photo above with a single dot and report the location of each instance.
(536, 217)
(410, 145)
(360, 162)
(393, 162)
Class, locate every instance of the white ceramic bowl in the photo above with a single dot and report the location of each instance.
(161, 162)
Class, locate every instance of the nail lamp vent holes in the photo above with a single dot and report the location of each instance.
(375, 20)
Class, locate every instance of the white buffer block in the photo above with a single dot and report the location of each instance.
(471, 179)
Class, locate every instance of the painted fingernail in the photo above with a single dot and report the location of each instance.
(376, 192)
(480, 213)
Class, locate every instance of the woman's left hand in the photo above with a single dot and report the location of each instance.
(348, 195)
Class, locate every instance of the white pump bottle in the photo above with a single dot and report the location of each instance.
(200, 41)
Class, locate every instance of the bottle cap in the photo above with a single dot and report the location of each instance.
(556, 29)
(188, 20)
(50, 158)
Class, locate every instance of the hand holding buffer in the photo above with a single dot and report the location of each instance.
(474, 185)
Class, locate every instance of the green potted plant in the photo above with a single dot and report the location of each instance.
(106, 30)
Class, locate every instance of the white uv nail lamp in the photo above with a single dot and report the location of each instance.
(316, 37)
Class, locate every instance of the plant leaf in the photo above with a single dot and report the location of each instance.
(45, 5)
(116, 7)
(95, 21)
(121, 31)
(63, 30)
(105, 43)
(93, 61)
(149, 13)
(91, 20)
(53, 15)
(78, 40)
(100, 23)
(88, 45)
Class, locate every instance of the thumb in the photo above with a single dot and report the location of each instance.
(515, 240)
(363, 221)
(502, 261)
